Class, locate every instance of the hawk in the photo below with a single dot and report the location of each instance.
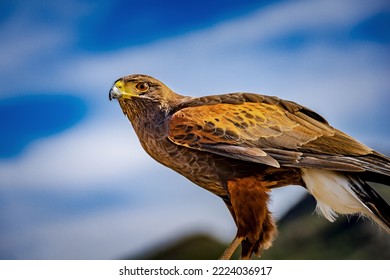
(240, 146)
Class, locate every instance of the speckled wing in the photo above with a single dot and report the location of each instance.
(266, 130)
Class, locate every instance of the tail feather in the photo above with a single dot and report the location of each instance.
(377, 208)
(346, 193)
(375, 178)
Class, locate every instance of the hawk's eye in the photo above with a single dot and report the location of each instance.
(142, 87)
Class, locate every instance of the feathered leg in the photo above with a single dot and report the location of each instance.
(248, 204)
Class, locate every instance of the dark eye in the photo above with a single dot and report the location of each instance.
(142, 87)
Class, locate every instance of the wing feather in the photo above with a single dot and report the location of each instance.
(266, 130)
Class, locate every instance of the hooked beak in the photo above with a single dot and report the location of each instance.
(114, 93)
(118, 91)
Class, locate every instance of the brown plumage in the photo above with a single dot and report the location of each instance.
(241, 145)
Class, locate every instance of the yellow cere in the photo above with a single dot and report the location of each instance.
(125, 88)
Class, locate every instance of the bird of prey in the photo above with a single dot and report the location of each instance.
(240, 146)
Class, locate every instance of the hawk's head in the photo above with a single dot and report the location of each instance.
(142, 89)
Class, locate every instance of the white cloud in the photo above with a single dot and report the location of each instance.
(231, 57)
(87, 155)
(120, 232)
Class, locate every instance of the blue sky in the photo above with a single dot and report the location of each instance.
(74, 181)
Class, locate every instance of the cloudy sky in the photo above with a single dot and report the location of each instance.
(74, 181)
